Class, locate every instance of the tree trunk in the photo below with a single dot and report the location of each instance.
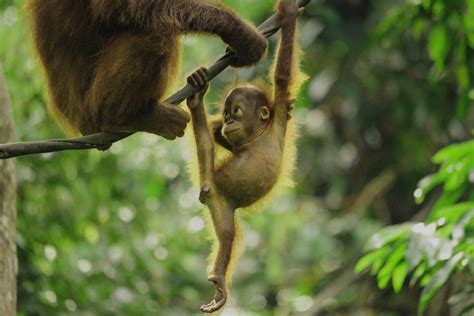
(8, 258)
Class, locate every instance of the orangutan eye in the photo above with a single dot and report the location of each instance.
(238, 113)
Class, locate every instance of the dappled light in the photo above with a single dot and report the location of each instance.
(380, 220)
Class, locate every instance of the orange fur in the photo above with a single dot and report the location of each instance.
(109, 63)
(258, 148)
(222, 156)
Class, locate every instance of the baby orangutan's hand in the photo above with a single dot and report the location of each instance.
(199, 79)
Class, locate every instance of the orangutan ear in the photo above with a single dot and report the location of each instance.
(264, 113)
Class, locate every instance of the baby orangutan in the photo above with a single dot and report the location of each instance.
(254, 129)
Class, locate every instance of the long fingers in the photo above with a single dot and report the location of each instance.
(206, 307)
(199, 78)
(213, 306)
(220, 297)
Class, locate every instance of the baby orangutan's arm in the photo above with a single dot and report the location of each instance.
(288, 12)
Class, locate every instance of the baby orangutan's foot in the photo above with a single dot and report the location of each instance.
(220, 297)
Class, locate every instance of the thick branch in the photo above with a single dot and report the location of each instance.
(103, 141)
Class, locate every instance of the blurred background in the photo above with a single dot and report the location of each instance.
(121, 233)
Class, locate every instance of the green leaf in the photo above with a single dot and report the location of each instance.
(427, 184)
(462, 74)
(459, 174)
(389, 21)
(439, 9)
(418, 273)
(367, 260)
(419, 27)
(469, 250)
(451, 213)
(447, 199)
(438, 45)
(389, 235)
(469, 22)
(427, 277)
(392, 261)
(383, 281)
(380, 260)
(377, 265)
(437, 281)
(399, 275)
(454, 152)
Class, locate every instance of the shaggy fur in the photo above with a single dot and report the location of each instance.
(256, 151)
(108, 63)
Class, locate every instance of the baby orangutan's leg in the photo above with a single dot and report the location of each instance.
(224, 225)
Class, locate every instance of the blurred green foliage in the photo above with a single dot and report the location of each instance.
(433, 250)
(120, 232)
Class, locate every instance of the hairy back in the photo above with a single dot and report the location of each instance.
(67, 41)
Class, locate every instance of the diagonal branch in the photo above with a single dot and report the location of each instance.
(104, 141)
